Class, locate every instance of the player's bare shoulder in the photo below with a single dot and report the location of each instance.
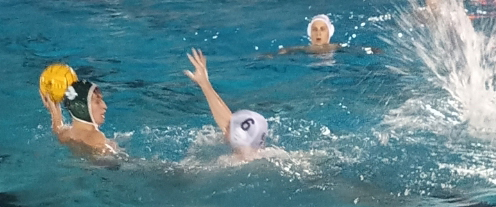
(64, 134)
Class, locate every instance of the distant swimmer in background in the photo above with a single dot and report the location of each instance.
(84, 100)
(320, 30)
(245, 131)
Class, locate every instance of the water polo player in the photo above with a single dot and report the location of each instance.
(245, 131)
(84, 101)
(320, 31)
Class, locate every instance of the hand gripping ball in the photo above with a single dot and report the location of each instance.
(55, 80)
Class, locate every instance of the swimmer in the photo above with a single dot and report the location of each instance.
(320, 30)
(84, 101)
(245, 131)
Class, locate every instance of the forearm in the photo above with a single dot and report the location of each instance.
(220, 111)
(359, 50)
(292, 50)
(57, 121)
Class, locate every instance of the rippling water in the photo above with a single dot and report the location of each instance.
(409, 127)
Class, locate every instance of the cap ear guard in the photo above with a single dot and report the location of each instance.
(78, 100)
(248, 129)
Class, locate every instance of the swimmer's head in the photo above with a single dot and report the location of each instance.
(320, 30)
(247, 129)
(85, 102)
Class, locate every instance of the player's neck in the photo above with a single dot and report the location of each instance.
(82, 125)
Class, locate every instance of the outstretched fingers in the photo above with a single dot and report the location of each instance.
(198, 55)
(189, 74)
(202, 58)
(194, 60)
(195, 54)
(199, 62)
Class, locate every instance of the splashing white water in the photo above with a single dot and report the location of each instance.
(451, 55)
(296, 164)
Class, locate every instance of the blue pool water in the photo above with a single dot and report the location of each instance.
(327, 114)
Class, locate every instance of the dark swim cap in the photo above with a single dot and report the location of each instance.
(78, 100)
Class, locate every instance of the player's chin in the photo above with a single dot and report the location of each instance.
(318, 43)
(100, 121)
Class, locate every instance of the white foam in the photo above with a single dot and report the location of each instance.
(454, 57)
(123, 136)
(477, 161)
(208, 151)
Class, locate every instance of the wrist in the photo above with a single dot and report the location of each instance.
(203, 82)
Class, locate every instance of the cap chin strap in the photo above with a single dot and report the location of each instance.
(88, 104)
(111, 149)
(90, 95)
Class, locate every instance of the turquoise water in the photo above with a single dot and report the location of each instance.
(327, 114)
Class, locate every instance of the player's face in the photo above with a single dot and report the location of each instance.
(319, 33)
(98, 107)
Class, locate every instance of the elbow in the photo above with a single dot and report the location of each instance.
(57, 129)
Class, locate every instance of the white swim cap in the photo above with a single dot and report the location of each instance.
(325, 19)
(247, 129)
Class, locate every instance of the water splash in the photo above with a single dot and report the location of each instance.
(446, 49)
(208, 152)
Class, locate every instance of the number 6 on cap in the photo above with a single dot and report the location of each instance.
(247, 129)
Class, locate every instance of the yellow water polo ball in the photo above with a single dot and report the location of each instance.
(55, 80)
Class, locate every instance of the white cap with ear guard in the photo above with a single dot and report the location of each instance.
(247, 129)
(324, 18)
